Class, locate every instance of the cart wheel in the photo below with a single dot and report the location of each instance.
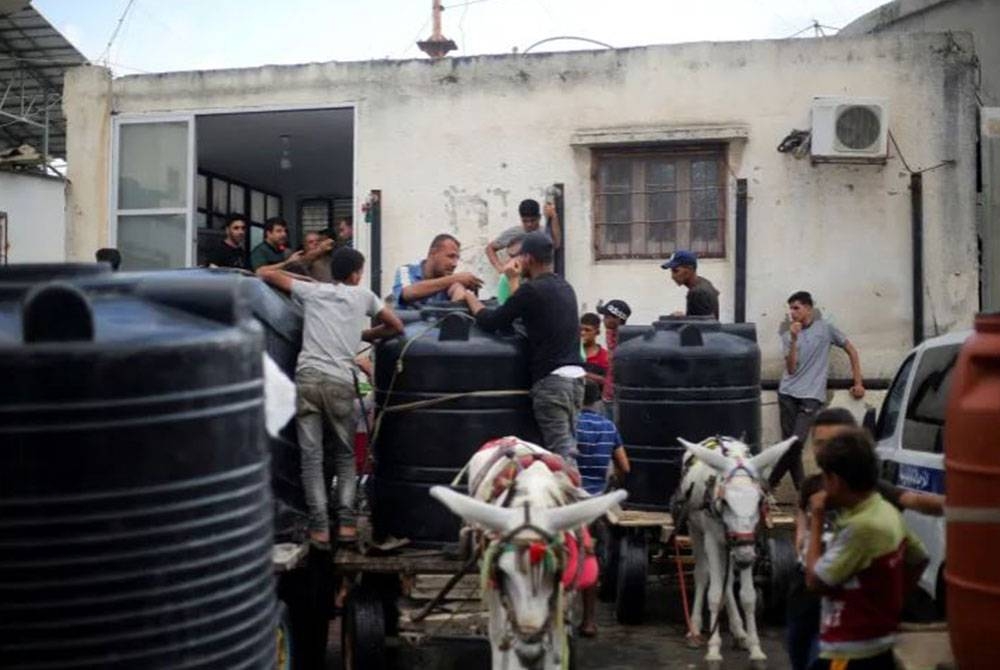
(304, 597)
(781, 562)
(363, 631)
(633, 563)
(283, 629)
(607, 559)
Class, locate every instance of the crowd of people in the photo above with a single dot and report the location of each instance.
(856, 558)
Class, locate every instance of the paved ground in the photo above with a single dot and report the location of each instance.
(659, 643)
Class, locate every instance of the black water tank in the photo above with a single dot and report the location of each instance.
(443, 353)
(690, 379)
(135, 510)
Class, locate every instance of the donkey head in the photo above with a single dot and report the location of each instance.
(524, 560)
(739, 494)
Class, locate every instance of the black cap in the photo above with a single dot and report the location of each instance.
(617, 308)
(538, 245)
(529, 209)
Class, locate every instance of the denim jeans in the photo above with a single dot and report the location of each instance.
(325, 420)
(802, 616)
(796, 415)
(556, 402)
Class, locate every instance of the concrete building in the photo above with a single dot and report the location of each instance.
(32, 136)
(34, 214)
(981, 20)
(978, 18)
(649, 144)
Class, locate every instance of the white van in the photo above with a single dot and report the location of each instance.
(909, 435)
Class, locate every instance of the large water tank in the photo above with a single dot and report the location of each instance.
(444, 357)
(690, 379)
(135, 507)
(972, 477)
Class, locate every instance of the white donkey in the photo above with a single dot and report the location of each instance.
(529, 558)
(722, 494)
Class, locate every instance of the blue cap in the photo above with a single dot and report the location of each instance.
(679, 258)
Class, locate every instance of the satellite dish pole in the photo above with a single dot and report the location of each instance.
(437, 45)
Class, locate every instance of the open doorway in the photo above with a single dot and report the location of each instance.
(294, 164)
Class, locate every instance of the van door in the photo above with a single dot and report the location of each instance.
(921, 455)
(152, 189)
(889, 428)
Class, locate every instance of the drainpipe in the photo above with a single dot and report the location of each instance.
(740, 308)
(917, 236)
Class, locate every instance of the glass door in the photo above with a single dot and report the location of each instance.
(152, 191)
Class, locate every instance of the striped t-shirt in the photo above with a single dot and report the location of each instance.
(597, 438)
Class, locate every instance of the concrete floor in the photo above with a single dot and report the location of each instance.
(658, 643)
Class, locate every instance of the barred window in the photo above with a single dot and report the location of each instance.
(650, 202)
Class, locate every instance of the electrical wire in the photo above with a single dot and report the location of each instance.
(568, 37)
(902, 158)
(114, 33)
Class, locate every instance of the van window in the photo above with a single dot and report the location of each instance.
(923, 428)
(892, 406)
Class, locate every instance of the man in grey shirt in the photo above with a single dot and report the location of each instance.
(802, 392)
(531, 220)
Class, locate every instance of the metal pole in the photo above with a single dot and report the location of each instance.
(740, 308)
(45, 138)
(436, 11)
(917, 235)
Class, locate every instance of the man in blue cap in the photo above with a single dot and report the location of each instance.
(702, 297)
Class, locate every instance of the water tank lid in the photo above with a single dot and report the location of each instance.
(690, 336)
(57, 312)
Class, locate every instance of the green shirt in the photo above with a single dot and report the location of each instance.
(265, 254)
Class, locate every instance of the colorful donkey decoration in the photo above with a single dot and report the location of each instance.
(722, 496)
(529, 505)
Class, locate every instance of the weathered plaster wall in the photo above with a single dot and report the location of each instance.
(87, 108)
(455, 145)
(36, 217)
(980, 18)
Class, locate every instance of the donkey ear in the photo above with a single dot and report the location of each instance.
(765, 460)
(488, 516)
(713, 458)
(559, 519)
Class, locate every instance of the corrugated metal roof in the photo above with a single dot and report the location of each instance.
(34, 56)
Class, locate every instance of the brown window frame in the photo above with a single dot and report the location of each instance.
(683, 154)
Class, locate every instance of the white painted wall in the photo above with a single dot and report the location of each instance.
(36, 215)
(455, 145)
(980, 18)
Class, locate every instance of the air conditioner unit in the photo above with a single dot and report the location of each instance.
(849, 129)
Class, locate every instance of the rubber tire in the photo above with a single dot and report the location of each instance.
(633, 566)
(363, 631)
(283, 629)
(607, 559)
(306, 593)
(782, 564)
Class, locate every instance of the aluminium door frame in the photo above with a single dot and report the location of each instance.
(118, 118)
(114, 212)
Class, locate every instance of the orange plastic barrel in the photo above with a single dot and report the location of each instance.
(972, 480)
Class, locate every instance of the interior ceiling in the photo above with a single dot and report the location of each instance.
(247, 147)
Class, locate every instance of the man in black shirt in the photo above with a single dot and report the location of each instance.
(702, 296)
(547, 307)
(229, 252)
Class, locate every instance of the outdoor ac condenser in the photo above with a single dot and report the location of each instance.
(849, 129)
